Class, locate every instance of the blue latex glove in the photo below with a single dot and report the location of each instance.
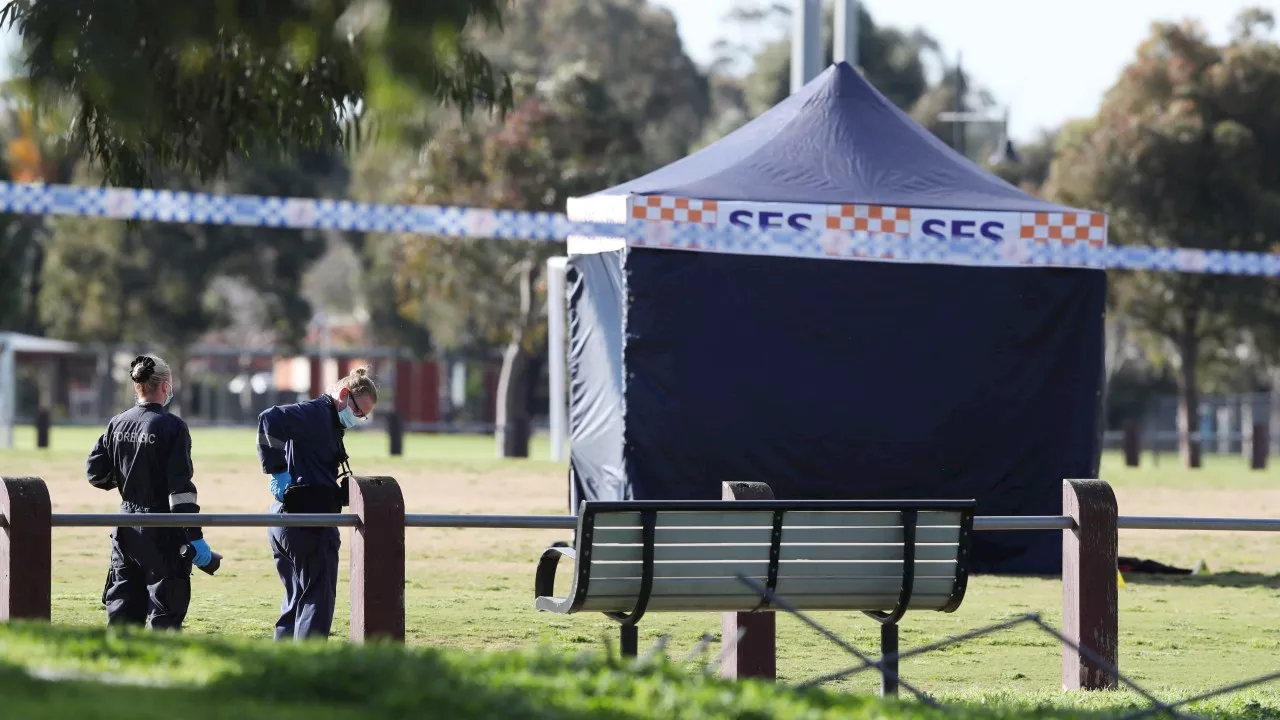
(203, 554)
(280, 483)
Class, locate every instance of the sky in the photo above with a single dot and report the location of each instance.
(1049, 62)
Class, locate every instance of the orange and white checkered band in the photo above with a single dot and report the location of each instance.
(876, 219)
(673, 209)
(1068, 228)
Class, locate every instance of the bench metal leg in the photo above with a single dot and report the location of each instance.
(889, 646)
(630, 640)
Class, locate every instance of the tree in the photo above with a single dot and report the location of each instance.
(1183, 153)
(1035, 159)
(158, 283)
(188, 85)
(273, 261)
(632, 44)
(565, 137)
(972, 139)
(35, 151)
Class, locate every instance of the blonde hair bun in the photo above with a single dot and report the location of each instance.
(148, 372)
(358, 383)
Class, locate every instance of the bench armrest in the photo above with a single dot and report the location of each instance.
(544, 582)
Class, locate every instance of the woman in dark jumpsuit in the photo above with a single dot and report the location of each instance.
(145, 453)
(300, 446)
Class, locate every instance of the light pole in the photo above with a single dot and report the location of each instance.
(845, 46)
(806, 42)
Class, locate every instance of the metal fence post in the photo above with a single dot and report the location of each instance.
(755, 655)
(1258, 449)
(26, 550)
(377, 560)
(395, 432)
(43, 424)
(1090, 598)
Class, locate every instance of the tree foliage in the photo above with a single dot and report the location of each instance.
(634, 47)
(158, 284)
(975, 140)
(1035, 160)
(35, 150)
(1185, 152)
(163, 85)
(566, 136)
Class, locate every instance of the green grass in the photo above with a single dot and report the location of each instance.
(136, 675)
(471, 589)
(238, 443)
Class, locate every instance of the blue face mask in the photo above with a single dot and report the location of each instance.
(348, 418)
(168, 398)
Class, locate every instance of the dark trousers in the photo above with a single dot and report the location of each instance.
(148, 582)
(307, 562)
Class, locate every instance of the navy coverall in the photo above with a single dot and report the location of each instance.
(146, 454)
(304, 439)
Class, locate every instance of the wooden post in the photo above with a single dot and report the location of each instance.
(1090, 599)
(755, 655)
(1260, 449)
(26, 550)
(43, 421)
(377, 560)
(315, 386)
(1132, 445)
(395, 432)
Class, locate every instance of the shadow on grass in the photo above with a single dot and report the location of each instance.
(1244, 580)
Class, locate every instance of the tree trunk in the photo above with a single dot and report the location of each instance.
(32, 321)
(514, 425)
(1112, 361)
(178, 365)
(1189, 397)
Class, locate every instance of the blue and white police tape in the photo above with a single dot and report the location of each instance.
(302, 213)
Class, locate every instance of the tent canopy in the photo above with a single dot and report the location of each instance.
(835, 156)
(837, 140)
(750, 360)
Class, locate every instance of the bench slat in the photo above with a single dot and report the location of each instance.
(713, 553)
(747, 602)
(798, 568)
(630, 587)
(764, 518)
(794, 568)
(760, 535)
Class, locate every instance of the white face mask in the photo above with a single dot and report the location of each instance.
(347, 415)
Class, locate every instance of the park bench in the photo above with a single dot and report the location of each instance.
(880, 557)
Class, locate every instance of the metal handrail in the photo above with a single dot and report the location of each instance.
(570, 522)
(506, 522)
(203, 520)
(1131, 522)
(1023, 522)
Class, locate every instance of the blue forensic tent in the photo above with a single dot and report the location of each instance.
(821, 372)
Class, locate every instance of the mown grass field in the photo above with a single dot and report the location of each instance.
(472, 589)
(61, 672)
